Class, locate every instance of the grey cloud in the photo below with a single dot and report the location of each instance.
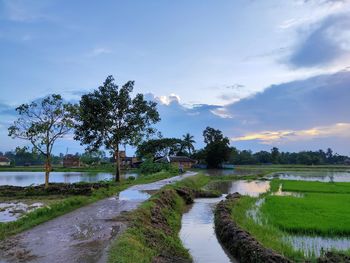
(323, 44)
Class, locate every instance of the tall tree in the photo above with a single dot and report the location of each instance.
(217, 148)
(109, 117)
(42, 122)
(188, 141)
(159, 147)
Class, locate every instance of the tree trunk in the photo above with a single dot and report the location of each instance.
(47, 170)
(117, 164)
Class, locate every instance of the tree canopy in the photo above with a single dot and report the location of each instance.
(42, 122)
(109, 117)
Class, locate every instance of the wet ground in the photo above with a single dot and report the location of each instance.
(82, 235)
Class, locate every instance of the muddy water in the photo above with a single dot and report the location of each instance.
(225, 172)
(29, 178)
(82, 235)
(197, 226)
(322, 176)
(11, 211)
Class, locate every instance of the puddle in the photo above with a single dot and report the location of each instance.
(322, 176)
(315, 245)
(286, 193)
(251, 188)
(198, 235)
(11, 211)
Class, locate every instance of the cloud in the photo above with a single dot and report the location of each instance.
(283, 136)
(99, 51)
(325, 43)
(167, 100)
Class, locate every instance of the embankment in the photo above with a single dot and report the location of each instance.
(239, 243)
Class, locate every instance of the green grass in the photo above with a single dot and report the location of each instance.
(71, 203)
(270, 236)
(315, 213)
(307, 186)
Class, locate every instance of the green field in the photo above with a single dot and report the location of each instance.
(310, 187)
(323, 209)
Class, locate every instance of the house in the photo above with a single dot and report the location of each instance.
(4, 161)
(179, 161)
(71, 160)
(127, 162)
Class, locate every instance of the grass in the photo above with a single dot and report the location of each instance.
(71, 203)
(312, 187)
(315, 214)
(145, 239)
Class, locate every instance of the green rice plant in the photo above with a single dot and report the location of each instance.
(315, 213)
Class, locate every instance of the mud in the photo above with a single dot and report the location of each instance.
(238, 242)
(83, 235)
(53, 189)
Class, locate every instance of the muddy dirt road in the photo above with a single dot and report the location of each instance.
(82, 235)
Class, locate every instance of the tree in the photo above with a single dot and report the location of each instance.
(159, 147)
(188, 142)
(275, 154)
(109, 117)
(42, 122)
(217, 148)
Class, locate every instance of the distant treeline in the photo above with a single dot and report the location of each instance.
(24, 156)
(276, 157)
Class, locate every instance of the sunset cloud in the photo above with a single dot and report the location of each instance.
(281, 136)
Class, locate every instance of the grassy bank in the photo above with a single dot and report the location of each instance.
(70, 203)
(268, 235)
(153, 228)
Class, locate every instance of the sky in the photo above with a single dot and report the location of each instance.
(267, 73)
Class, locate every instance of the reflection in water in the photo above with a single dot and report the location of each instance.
(322, 176)
(314, 245)
(225, 172)
(251, 188)
(29, 178)
(198, 235)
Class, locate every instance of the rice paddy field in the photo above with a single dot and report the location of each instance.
(299, 219)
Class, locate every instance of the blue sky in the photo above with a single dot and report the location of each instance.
(268, 73)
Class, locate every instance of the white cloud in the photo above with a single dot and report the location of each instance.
(99, 51)
(167, 100)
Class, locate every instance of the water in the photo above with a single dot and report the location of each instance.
(198, 234)
(29, 178)
(321, 176)
(11, 211)
(251, 188)
(226, 172)
(314, 245)
(197, 226)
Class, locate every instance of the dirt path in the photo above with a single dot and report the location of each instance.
(82, 235)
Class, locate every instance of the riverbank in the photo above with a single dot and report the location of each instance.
(67, 203)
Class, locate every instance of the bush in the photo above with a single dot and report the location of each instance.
(150, 167)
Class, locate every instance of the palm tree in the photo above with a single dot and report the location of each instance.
(188, 142)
